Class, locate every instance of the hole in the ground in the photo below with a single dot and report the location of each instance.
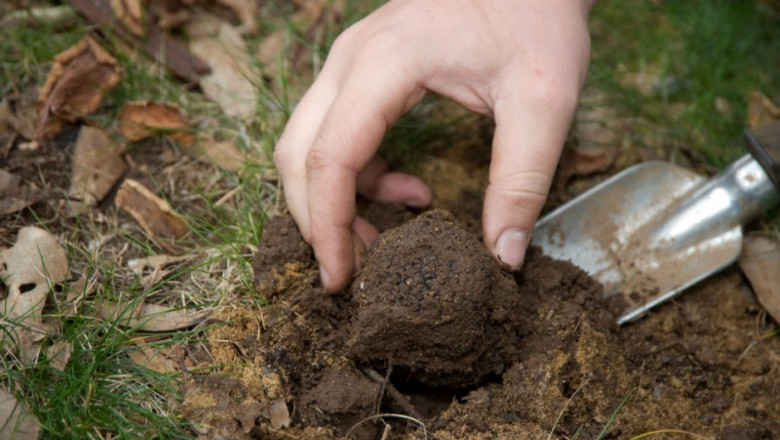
(431, 401)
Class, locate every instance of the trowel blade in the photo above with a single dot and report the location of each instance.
(601, 232)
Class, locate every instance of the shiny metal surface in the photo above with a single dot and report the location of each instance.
(655, 229)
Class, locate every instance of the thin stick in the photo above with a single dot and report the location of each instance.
(391, 391)
(669, 431)
(563, 411)
(386, 432)
(391, 415)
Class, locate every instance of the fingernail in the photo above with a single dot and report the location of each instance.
(510, 247)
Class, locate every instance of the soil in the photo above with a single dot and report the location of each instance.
(432, 340)
(432, 331)
(431, 334)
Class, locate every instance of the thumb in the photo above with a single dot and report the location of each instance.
(527, 143)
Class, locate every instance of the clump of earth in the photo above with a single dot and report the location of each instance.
(430, 302)
(433, 340)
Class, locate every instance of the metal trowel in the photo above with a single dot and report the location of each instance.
(655, 229)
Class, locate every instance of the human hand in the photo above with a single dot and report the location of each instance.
(523, 62)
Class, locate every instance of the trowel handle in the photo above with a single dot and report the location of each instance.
(764, 144)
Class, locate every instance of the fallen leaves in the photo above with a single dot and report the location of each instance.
(281, 52)
(246, 12)
(154, 214)
(75, 86)
(761, 110)
(97, 166)
(223, 154)
(159, 359)
(35, 263)
(17, 422)
(760, 262)
(58, 354)
(166, 48)
(17, 118)
(230, 81)
(150, 317)
(130, 13)
(159, 267)
(13, 195)
(139, 120)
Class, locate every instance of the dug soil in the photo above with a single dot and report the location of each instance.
(433, 340)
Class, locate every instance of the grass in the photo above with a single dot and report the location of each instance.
(688, 55)
(101, 391)
(692, 54)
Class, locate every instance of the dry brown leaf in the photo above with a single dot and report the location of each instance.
(154, 214)
(77, 291)
(230, 81)
(246, 11)
(97, 166)
(760, 262)
(761, 110)
(312, 20)
(130, 13)
(165, 47)
(223, 154)
(28, 269)
(169, 14)
(158, 359)
(270, 51)
(77, 81)
(581, 162)
(17, 422)
(141, 119)
(17, 116)
(150, 317)
(157, 263)
(59, 354)
(13, 196)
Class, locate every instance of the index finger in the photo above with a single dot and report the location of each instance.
(349, 137)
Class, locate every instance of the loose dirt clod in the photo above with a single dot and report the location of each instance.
(534, 355)
(425, 304)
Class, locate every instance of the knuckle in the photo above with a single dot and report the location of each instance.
(556, 93)
(282, 159)
(348, 39)
(522, 189)
(317, 159)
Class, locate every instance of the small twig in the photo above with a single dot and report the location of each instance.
(563, 410)
(392, 415)
(381, 394)
(401, 400)
(386, 432)
(669, 431)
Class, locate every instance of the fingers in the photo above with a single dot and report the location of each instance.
(293, 146)
(375, 183)
(529, 136)
(348, 139)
